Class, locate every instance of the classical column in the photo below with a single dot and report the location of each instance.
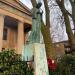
(1, 30)
(20, 41)
(11, 37)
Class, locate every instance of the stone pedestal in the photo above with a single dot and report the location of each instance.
(40, 60)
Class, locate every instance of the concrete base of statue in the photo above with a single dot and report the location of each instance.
(41, 67)
(40, 60)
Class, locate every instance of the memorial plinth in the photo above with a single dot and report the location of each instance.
(40, 60)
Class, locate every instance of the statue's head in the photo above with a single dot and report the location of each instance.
(38, 5)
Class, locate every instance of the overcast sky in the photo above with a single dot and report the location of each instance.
(27, 3)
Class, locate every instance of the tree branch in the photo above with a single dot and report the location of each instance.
(47, 12)
(58, 2)
(62, 1)
(69, 14)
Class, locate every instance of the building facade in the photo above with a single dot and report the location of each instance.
(15, 22)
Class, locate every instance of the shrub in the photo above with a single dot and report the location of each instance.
(12, 64)
(66, 66)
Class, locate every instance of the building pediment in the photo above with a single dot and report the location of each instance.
(18, 5)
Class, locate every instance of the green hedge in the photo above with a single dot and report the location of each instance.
(11, 64)
(66, 66)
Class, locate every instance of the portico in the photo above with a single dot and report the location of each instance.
(15, 22)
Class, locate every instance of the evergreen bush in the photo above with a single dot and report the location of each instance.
(66, 66)
(12, 64)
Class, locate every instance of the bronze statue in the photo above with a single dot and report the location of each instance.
(36, 24)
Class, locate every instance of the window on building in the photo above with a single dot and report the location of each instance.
(5, 34)
(3, 49)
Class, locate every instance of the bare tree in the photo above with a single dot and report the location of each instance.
(69, 32)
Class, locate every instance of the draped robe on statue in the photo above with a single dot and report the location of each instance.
(36, 25)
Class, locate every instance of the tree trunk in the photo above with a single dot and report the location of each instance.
(50, 51)
(67, 25)
(69, 30)
(73, 14)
